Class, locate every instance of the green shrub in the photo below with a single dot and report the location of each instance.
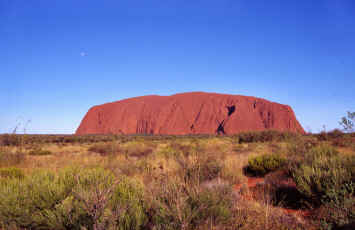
(198, 166)
(261, 165)
(128, 199)
(323, 175)
(73, 199)
(206, 170)
(264, 136)
(23, 203)
(336, 215)
(11, 172)
(217, 203)
(179, 205)
(39, 152)
(299, 146)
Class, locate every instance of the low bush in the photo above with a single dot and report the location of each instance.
(297, 147)
(264, 136)
(327, 180)
(336, 215)
(8, 159)
(327, 136)
(105, 149)
(261, 165)
(206, 170)
(12, 172)
(178, 205)
(346, 141)
(138, 149)
(24, 202)
(324, 175)
(198, 166)
(128, 200)
(39, 152)
(10, 140)
(74, 199)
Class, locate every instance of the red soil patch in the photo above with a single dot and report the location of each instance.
(252, 182)
(255, 181)
(189, 113)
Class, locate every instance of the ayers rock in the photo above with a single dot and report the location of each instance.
(189, 113)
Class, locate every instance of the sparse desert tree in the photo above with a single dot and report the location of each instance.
(348, 122)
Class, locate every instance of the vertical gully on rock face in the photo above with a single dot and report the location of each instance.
(220, 127)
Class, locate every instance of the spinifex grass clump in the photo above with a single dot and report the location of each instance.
(8, 158)
(10, 140)
(105, 148)
(39, 152)
(178, 204)
(138, 149)
(261, 165)
(327, 180)
(11, 172)
(264, 136)
(323, 171)
(197, 163)
(74, 199)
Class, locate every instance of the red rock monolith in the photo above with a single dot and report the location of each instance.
(189, 113)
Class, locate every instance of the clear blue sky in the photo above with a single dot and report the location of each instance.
(60, 57)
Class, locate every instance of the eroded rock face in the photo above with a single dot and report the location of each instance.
(189, 113)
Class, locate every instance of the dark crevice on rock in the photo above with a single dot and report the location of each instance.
(231, 110)
(192, 127)
(220, 128)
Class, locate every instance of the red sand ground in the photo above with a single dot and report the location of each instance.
(188, 113)
(254, 181)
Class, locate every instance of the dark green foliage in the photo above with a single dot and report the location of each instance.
(261, 165)
(337, 215)
(11, 172)
(264, 136)
(24, 139)
(39, 152)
